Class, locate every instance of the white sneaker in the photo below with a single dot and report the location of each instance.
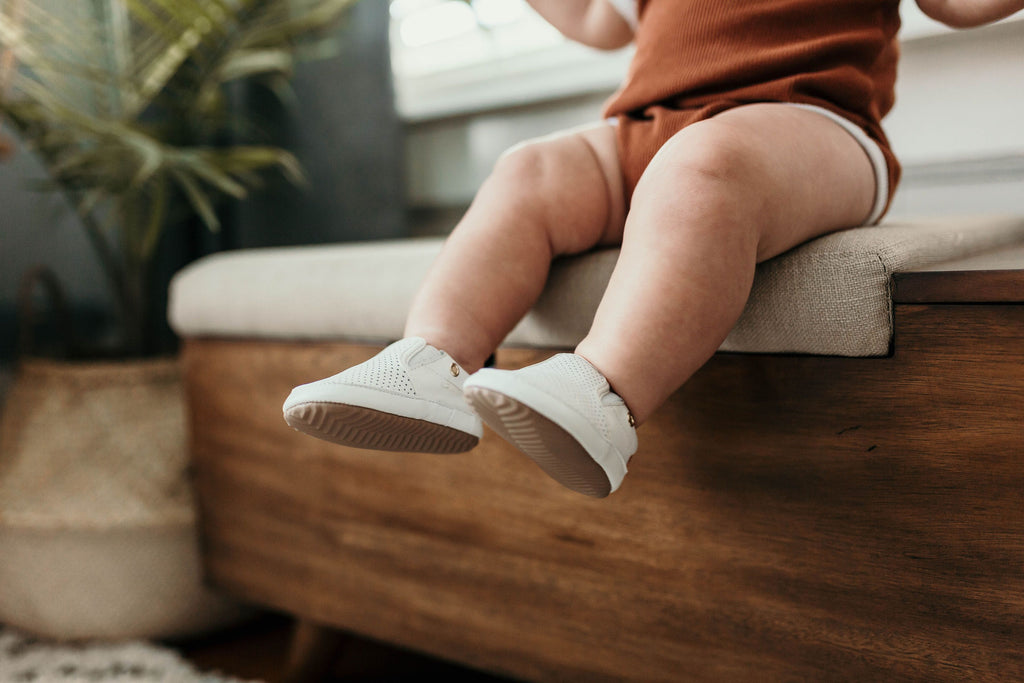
(406, 398)
(564, 416)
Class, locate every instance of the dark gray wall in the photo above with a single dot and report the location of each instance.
(38, 227)
(348, 137)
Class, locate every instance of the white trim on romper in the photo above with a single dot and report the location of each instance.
(873, 151)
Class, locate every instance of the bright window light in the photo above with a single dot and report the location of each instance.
(403, 8)
(437, 23)
(491, 13)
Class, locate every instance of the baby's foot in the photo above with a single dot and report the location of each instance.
(406, 398)
(563, 415)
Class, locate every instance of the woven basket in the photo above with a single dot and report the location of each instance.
(97, 517)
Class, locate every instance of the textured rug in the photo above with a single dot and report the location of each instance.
(24, 659)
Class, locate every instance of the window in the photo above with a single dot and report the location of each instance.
(456, 56)
(459, 56)
(431, 36)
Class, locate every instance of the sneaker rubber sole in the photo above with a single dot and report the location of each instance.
(541, 440)
(361, 427)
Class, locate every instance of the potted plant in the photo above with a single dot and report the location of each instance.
(126, 104)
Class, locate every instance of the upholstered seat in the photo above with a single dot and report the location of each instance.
(829, 297)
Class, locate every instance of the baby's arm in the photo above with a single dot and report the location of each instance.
(595, 23)
(968, 13)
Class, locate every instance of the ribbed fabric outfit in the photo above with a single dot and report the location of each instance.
(697, 58)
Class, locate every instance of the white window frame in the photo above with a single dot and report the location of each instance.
(560, 69)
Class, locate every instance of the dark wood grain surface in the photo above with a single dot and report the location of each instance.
(995, 276)
(786, 518)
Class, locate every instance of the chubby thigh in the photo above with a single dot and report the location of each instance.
(800, 173)
(785, 173)
(573, 183)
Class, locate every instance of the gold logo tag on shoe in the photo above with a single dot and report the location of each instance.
(455, 370)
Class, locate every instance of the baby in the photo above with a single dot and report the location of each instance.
(744, 128)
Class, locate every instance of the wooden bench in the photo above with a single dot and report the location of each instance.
(788, 516)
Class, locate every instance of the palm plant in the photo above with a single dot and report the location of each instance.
(124, 101)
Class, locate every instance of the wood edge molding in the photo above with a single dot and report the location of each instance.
(994, 276)
(958, 287)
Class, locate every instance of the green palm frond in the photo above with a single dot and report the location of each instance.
(100, 159)
(87, 71)
(117, 56)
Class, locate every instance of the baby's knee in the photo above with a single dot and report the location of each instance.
(708, 168)
(704, 180)
(709, 153)
(527, 167)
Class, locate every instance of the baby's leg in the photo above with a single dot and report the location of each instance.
(549, 197)
(560, 195)
(721, 196)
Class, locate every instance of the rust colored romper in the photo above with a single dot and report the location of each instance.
(697, 58)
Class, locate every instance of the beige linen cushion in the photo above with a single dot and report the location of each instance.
(830, 296)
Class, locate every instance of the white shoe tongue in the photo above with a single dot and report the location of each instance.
(408, 344)
(612, 399)
(418, 352)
